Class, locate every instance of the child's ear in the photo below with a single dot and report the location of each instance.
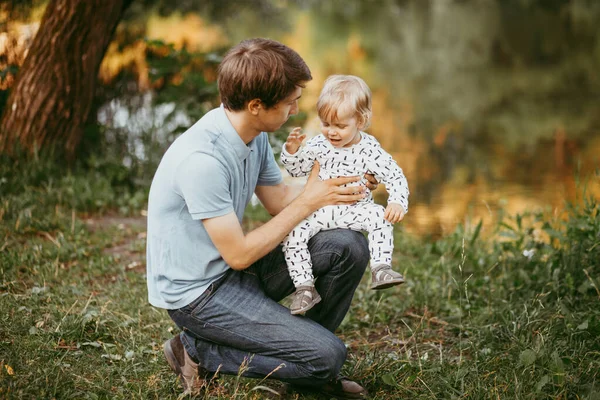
(363, 120)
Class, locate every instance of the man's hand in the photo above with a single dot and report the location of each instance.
(394, 213)
(372, 183)
(294, 140)
(240, 250)
(318, 193)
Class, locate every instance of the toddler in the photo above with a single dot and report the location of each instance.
(343, 149)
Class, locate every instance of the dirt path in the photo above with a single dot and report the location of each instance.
(130, 242)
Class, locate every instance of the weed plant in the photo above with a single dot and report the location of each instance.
(509, 315)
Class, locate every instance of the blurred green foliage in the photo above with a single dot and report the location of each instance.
(509, 72)
(180, 76)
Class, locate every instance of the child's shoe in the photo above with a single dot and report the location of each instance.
(383, 277)
(305, 298)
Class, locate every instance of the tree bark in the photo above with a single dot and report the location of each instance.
(52, 96)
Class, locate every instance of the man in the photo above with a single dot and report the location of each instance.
(221, 285)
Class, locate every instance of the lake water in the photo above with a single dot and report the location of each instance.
(491, 108)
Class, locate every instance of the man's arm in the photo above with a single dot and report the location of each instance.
(240, 250)
(276, 198)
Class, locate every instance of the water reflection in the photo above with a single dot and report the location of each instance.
(489, 107)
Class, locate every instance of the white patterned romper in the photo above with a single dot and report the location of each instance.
(366, 156)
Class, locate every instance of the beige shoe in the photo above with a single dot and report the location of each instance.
(383, 277)
(191, 375)
(305, 298)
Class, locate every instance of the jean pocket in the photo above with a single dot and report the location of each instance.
(251, 270)
(199, 301)
(204, 297)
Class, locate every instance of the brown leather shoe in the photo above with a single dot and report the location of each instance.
(344, 388)
(340, 388)
(192, 376)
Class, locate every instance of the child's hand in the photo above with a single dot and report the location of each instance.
(393, 213)
(372, 182)
(294, 140)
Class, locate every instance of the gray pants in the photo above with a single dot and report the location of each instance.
(239, 320)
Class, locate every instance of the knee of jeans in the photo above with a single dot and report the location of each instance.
(355, 247)
(331, 355)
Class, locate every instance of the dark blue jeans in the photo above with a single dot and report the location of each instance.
(238, 320)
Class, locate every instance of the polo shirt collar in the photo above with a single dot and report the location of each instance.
(229, 132)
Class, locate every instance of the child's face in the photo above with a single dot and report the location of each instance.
(343, 131)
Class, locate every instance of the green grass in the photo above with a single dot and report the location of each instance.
(512, 315)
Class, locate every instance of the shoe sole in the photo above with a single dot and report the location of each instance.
(170, 356)
(387, 284)
(304, 309)
(172, 361)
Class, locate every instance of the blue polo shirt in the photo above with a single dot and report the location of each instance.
(207, 172)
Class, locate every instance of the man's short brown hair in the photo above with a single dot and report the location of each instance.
(260, 69)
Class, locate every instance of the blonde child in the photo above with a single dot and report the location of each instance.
(343, 149)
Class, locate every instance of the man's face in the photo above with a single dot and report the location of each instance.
(274, 117)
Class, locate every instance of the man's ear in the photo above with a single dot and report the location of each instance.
(254, 106)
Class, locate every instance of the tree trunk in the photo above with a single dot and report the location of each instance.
(52, 96)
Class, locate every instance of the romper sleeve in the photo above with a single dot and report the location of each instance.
(387, 171)
(301, 163)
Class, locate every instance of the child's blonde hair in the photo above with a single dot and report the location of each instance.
(345, 92)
